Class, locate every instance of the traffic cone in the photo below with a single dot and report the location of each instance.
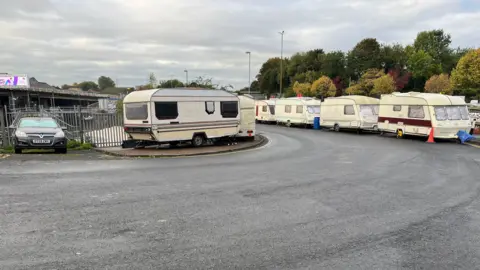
(430, 136)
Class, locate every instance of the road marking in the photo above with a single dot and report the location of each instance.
(471, 144)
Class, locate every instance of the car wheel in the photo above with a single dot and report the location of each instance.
(197, 140)
(18, 151)
(336, 128)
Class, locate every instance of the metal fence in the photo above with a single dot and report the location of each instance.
(100, 128)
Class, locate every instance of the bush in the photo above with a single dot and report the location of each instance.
(73, 144)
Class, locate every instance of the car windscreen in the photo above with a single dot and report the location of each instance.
(136, 111)
(38, 123)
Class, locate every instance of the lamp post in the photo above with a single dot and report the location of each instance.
(281, 63)
(186, 77)
(249, 77)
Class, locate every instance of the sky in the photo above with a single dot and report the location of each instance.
(66, 41)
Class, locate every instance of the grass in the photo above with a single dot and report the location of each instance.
(71, 145)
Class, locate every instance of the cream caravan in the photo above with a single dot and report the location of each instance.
(350, 112)
(297, 110)
(265, 111)
(416, 113)
(247, 117)
(177, 115)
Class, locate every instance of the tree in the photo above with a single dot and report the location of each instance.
(105, 82)
(119, 106)
(401, 80)
(439, 84)
(436, 43)
(366, 83)
(152, 80)
(422, 65)
(383, 85)
(324, 86)
(269, 76)
(303, 89)
(173, 83)
(88, 85)
(466, 76)
(65, 86)
(365, 55)
(393, 57)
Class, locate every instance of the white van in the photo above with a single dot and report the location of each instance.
(416, 113)
(247, 117)
(297, 110)
(265, 111)
(350, 112)
(177, 115)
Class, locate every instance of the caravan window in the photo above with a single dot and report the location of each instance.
(136, 111)
(166, 110)
(416, 112)
(440, 113)
(348, 110)
(453, 113)
(210, 107)
(313, 109)
(288, 108)
(264, 108)
(464, 112)
(272, 109)
(299, 109)
(368, 110)
(229, 109)
(397, 108)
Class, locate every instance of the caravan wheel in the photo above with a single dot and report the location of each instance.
(198, 140)
(336, 127)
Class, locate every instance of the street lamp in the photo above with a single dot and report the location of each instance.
(249, 77)
(186, 77)
(281, 63)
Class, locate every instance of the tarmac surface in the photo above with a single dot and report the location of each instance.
(307, 200)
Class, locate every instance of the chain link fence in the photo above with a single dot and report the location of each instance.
(83, 124)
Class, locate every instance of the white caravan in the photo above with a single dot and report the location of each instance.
(297, 110)
(176, 115)
(247, 117)
(265, 111)
(416, 113)
(350, 112)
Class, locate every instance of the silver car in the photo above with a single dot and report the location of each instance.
(39, 133)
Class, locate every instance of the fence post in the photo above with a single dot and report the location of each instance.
(3, 127)
(80, 118)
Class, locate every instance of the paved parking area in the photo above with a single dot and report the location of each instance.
(306, 200)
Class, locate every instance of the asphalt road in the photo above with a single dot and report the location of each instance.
(307, 200)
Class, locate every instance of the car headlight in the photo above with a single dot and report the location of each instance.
(59, 134)
(20, 134)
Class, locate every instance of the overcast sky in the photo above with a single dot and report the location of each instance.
(66, 41)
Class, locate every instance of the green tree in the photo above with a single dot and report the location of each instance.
(436, 43)
(366, 83)
(269, 76)
(466, 76)
(439, 84)
(383, 85)
(105, 82)
(88, 85)
(393, 57)
(365, 55)
(173, 83)
(422, 65)
(324, 86)
(334, 65)
(119, 106)
(65, 86)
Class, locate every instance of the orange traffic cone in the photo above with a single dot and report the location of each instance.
(430, 136)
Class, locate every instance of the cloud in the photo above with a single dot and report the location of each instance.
(65, 41)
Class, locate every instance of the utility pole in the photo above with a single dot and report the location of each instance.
(249, 77)
(281, 63)
(186, 77)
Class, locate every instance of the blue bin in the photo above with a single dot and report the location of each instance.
(316, 123)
